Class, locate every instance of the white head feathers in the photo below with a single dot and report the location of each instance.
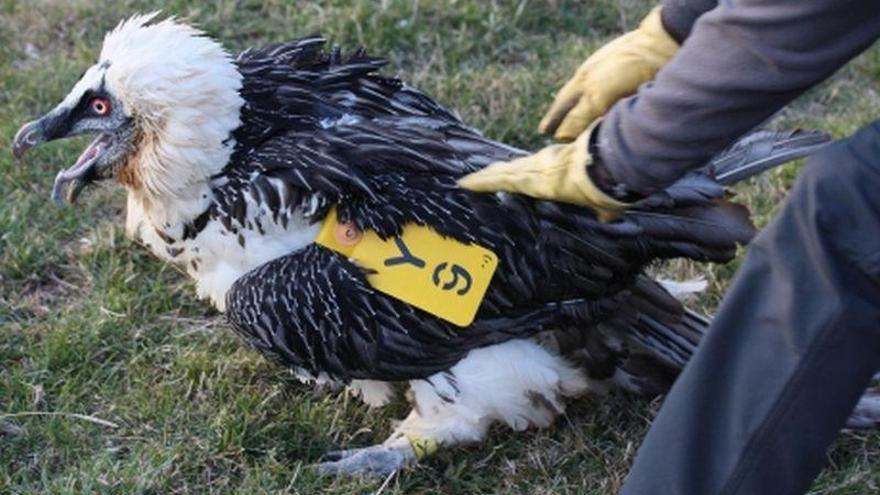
(182, 88)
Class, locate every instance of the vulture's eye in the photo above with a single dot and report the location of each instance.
(100, 106)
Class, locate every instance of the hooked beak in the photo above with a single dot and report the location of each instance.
(94, 163)
(30, 135)
(33, 134)
(83, 172)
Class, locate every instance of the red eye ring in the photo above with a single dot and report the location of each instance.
(100, 106)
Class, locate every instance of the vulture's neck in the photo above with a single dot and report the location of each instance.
(169, 177)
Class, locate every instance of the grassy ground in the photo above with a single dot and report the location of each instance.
(91, 325)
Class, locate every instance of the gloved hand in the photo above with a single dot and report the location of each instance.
(557, 172)
(613, 72)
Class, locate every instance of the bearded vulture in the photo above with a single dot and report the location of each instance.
(231, 166)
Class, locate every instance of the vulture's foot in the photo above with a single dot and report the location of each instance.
(867, 412)
(380, 460)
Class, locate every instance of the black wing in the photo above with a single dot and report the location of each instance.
(558, 266)
(313, 309)
(329, 132)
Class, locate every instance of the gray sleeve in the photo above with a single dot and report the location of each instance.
(679, 16)
(742, 62)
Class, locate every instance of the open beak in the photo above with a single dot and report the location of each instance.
(84, 171)
(30, 135)
(89, 167)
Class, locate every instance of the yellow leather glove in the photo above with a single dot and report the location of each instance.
(557, 172)
(613, 72)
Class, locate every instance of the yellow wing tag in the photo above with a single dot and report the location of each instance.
(442, 276)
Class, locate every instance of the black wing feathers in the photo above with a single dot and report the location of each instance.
(331, 131)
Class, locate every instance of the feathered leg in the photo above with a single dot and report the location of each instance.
(372, 392)
(519, 383)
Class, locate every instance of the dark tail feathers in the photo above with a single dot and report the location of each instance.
(693, 219)
(763, 150)
(661, 346)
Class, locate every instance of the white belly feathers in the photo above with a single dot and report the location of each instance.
(217, 257)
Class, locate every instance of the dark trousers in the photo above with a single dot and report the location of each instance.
(792, 348)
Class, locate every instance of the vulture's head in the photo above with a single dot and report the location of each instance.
(161, 102)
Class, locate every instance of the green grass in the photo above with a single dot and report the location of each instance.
(90, 324)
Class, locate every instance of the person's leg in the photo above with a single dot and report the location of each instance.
(791, 350)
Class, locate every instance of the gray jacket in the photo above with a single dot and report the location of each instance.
(740, 61)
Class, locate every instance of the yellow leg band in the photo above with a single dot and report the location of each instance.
(423, 447)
